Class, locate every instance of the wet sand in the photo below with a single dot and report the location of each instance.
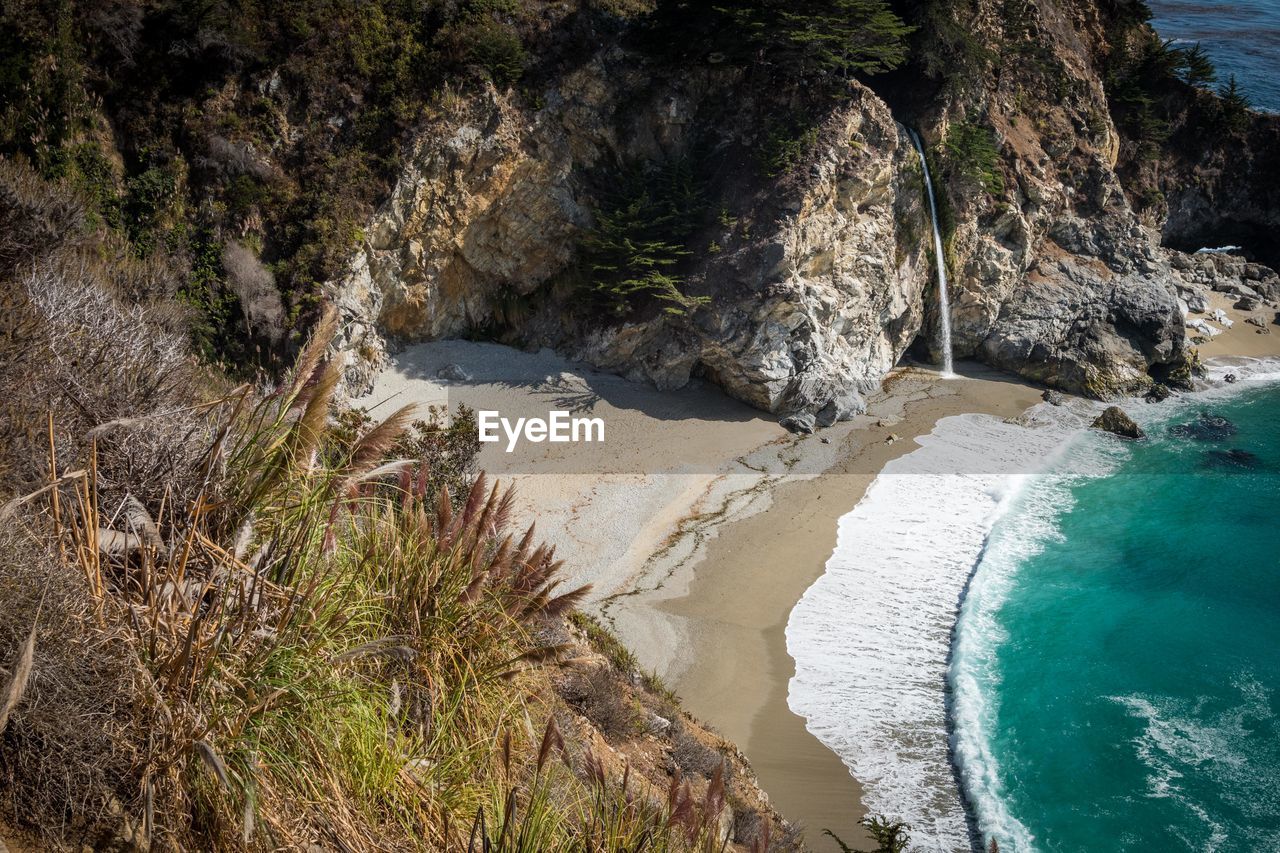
(752, 574)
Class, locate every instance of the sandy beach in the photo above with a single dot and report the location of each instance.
(1242, 339)
(700, 522)
(756, 569)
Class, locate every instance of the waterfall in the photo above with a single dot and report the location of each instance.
(944, 306)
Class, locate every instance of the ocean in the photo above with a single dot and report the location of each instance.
(1038, 633)
(1116, 672)
(1242, 38)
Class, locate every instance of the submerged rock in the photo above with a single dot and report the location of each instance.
(1231, 460)
(1206, 427)
(1115, 421)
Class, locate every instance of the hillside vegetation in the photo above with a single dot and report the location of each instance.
(237, 618)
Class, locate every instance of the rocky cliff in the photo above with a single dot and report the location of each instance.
(818, 277)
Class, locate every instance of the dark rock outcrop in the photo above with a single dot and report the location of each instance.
(1114, 420)
(1234, 459)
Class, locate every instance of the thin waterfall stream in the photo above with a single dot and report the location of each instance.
(944, 306)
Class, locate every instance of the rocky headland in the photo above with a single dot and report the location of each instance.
(1065, 231)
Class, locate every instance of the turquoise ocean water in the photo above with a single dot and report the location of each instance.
(1115, 671)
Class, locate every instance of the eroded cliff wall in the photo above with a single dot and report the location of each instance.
(817, 280)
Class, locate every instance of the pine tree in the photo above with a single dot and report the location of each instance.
(848, 36)
(1197, 69)
(1235, 105)
(640, 236)
(841, 37)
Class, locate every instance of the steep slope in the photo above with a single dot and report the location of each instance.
(815, 285)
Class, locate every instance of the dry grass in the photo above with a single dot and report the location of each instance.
(298, 642)
(258, 627)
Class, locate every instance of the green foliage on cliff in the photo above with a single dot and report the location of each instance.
(1146, 76)
(945, 45)
(787, 142)
(1197, 68)
(640, 236)
(971, 154)
(280, 123)
(837, 37)
(1235, 105)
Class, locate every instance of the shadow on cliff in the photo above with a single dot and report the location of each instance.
(492, 375)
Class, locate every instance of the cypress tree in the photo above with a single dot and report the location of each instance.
(842, 37)
(1235, 105)
(1198, 69)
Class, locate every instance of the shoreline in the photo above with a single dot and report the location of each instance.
(699, 559)
(738, 605)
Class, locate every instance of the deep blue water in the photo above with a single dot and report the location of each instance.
(1242, 38)
(1118, 654)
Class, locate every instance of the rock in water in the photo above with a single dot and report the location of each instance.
(1158, 393)
(1054, 398)
(1231, 460)
(1115, 421)
(1206, 427)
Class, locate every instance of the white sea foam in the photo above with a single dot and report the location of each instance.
(871, 637)
(1030, 523)
(1180, 738)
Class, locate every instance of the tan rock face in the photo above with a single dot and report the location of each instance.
(828, 280)
(804, 313)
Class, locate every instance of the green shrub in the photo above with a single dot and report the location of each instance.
(971, 153)
(786, 145)
(641, 234)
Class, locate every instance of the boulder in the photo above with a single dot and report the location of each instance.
(801, 422)
(453, 373)
(1203, 328)
(1054, 398)
(1115, 421)
(840, 408)
(1235, 288)
(1158, 393)
(1246, 303)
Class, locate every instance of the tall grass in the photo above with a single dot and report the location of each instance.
(326, 645)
